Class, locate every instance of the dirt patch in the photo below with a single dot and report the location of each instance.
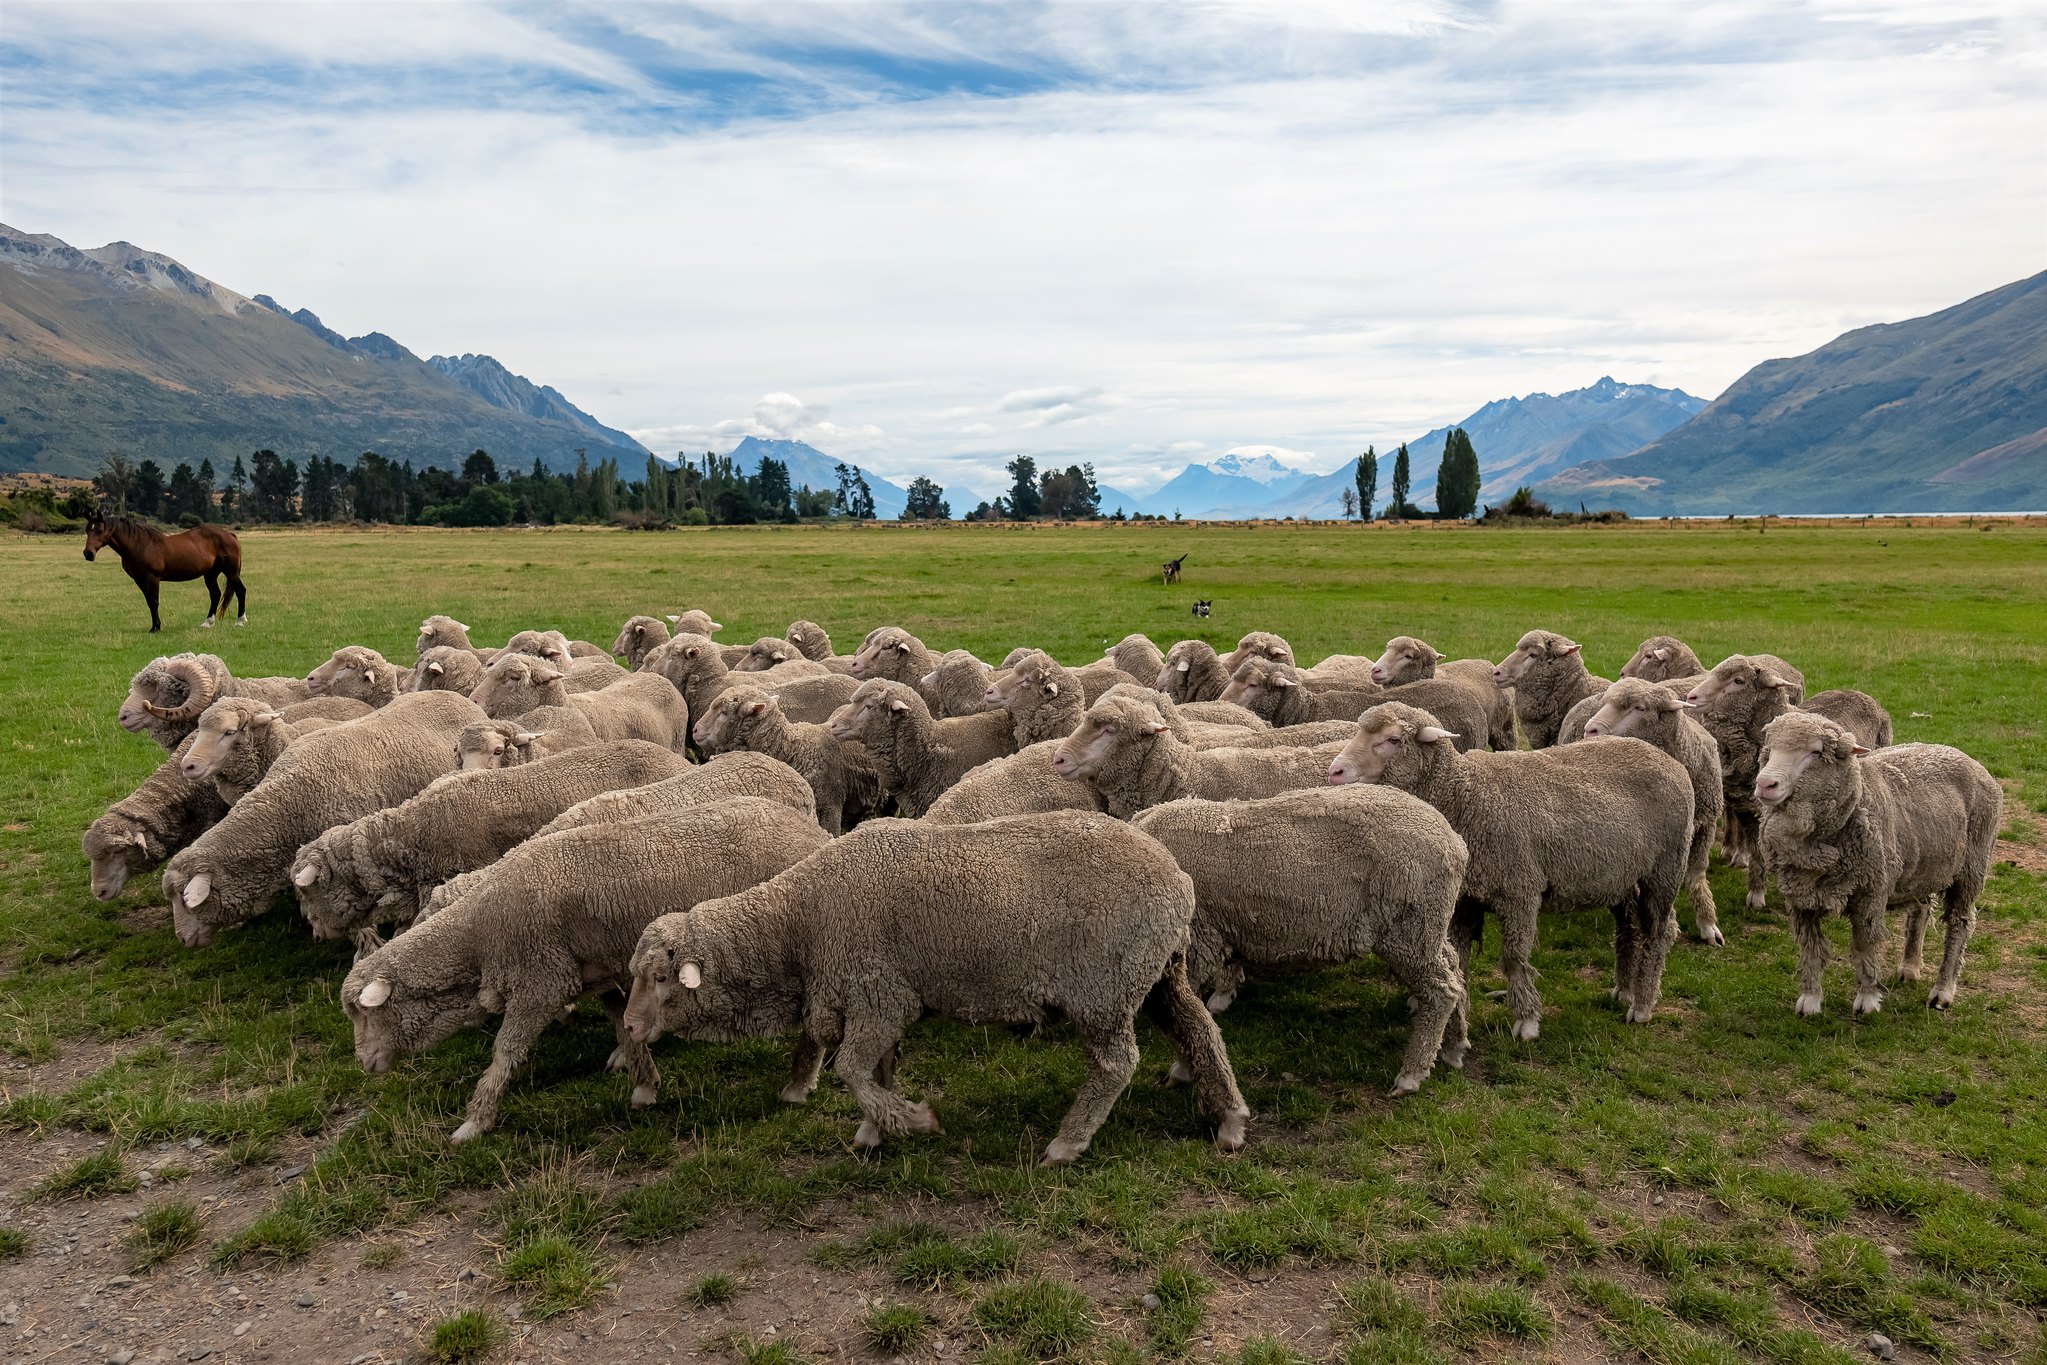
(2028, 854)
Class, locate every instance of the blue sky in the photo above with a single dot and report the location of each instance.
(930, 236)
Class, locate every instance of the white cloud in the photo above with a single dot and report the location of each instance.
(1196, 229)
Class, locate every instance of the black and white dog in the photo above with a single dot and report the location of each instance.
(1201, 606)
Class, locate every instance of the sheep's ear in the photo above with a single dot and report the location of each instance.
(374, 994)
(1857, 750)
(1669, 701)
(902, 646)
(674, 620)
(1569, 649)
(759, 708)
(435, 668)
(459, 626)
(897, 704)
(1769, 678)
(1155, 727)
(690, 975)
(1051, 687)
(1181, 666)
(1691, 705)
(544, 674)
(138, 838)
(197, 890)
(928, 680)
(690, 653)
(306, 875)
(1659, 654)
(1430, 734)
(1282, 681)
(525, 738)
(265, 718)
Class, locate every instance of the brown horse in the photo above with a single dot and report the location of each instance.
(151, 557)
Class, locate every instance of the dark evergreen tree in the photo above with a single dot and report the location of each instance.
(183, 498)
(207, 482)
(1402, 479)
(273, 487)
(1024, 499)
(926, 502)
(842, 500)
(862, 499)
(479, 467)
(146, 497)
(1457, 478)
(115, 480)
(1367, 477)
(771, 486)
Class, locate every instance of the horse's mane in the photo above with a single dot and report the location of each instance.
(122, 521)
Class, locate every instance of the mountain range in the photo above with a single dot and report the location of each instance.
(1942, 413)
(119, 348)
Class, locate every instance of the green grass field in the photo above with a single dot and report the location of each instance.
(1727, 1183)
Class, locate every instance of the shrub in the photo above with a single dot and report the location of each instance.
(468, 1335)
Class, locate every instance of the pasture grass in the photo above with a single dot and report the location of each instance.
(161, 1232)
(1725, 1182)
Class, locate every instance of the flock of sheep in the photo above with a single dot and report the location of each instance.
(536, 823)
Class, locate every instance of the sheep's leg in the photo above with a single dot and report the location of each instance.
(1456, 1033)
(524, 1022)
(1517, 951)
(1867, 932)
(1627, 951)
(1808, 927)
(1758, 870)
(1959, 913)
(1181, 1016)
(1912, 963)
(1111, 1062)
(1705, 916)
(1229, 979)
(1731, 846)
(1467, 927)
(631, 1055)
(882, 1109)
(1431, 979)
(805, 1066)
(1655, 929)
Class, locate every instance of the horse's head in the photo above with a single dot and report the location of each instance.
(97, 532)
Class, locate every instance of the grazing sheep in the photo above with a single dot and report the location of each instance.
(149, 824)
(637, 706)
(960, 682)
(1607, 822)
(1736, 702)
(698, 670)
(1127, 751)
(1279, 693)
(1042, 698)
(1258, 644)
(1662, 657)
(381, 868)
(239, 738)
(445, 632)
(810, 638)
(1408, 660)
(893, 653)
(1192, 672)
(765, 653)
(1547, 673)
(230, 873)
(746, 719)
(914, 757)
(1067, 915)
(1326, 875)
(1853, 831)
(1635, 708)
(1021, 784)
(444, 668)
(1136, 655)
(695, 621)
(553, 920)
(550, 645)
(543, 731)
(357, 672)
(167, 695)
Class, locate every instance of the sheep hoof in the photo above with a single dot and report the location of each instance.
(1710, 933)
(616, 1061)
(1868, 1002)
(1221, 1001)
(1527, 1030)
(1452, 1055)
(1738, 858)
(1755, 900)
(643, 1095)
(1404, 1084)
(1641, 1014)
(867, 1135)
(463, 1134)
(1064, 1153)
(1229, 1134)
(922, 1120)
(1807, 1006)
(1908, 973)
(796, 1092)
(1180, 1073)
(1942, 997)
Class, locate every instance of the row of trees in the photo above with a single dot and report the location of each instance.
(1457, 480)
(1068, 494)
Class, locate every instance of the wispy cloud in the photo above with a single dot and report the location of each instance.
(1124, 232)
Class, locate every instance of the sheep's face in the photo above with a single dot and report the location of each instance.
(516, 683)
(197, 909)
(1108, 726)
(1806, 756)
(355, 671)
(1735, 685)
(765, 654)
(1261, 686)
(683, 659)
(1406, 660)
(549, 645)
(1660, 657)
(117, 851)
(637, 636)
(888, 653)
(1176, 673)
(441, 632)
(329, 898)
(223, 728)
(394, 1018)
(1538, 649)
(875, 705)
(1392, 746)
(1259, 644)
(810, 640)
(132, 717)
(730, 715)
(1642, 710)
(1031, 682)
(492, 744)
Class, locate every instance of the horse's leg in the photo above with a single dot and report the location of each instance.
(148, 586)
(240, 593)
(212, 598)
